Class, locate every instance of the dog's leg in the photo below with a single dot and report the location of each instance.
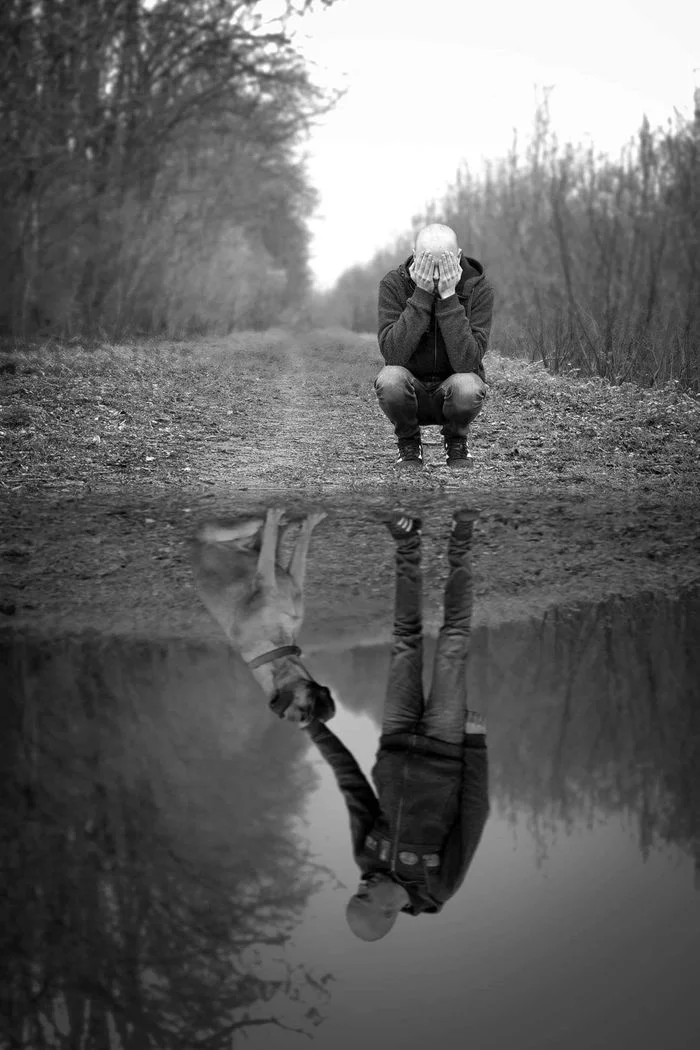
(281, 537)
(297, 562)
(268, 546)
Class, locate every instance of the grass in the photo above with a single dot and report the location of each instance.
(110, 454)
(299, 410)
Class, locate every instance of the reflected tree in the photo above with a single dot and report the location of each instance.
(152, 870)
(592, 712)
(606, 722)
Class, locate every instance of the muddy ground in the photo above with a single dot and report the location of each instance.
(113, 455)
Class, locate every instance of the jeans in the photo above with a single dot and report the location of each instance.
(411, 403)
(444, 714)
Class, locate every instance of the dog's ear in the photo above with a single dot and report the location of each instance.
(280, 702)
(324, 705)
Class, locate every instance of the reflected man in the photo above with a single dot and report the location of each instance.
(415, 839)
(434, 322)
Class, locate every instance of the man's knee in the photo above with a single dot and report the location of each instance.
(393, 379)
(466, 390)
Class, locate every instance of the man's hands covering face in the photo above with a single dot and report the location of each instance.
(450, 273)
(423, 272)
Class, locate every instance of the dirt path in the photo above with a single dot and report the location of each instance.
(123, 566)
(110, 458)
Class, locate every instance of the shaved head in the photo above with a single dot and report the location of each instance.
(436, 238)
(367, 920)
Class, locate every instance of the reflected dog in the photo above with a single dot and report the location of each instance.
(259, 604)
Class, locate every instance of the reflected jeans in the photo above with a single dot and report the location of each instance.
(411, 403)
(444, 714)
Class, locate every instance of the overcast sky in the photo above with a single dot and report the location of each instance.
(437, 81)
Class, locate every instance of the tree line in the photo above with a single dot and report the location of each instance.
(595, 260)
(150, 175)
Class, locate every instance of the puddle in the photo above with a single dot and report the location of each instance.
(160, 824)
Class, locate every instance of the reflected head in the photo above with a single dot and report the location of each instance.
(372, 911)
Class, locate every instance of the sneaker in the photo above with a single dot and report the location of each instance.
(410, 453)
(401, 525)
(463, 521)
(457, 452)
(465, 514)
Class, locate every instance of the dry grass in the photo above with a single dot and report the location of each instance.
(110, 455)
(299, 411)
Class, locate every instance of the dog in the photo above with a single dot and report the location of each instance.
(259, 604)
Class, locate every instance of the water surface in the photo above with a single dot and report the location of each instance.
(160, 825)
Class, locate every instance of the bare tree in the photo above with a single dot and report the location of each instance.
(114, 115)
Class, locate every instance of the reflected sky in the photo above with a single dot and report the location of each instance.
(579, 920)
(592, 944)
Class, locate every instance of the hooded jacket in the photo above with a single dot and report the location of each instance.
(423, 825)
(430, 336)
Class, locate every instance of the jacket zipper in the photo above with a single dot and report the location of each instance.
(468, 297)
(398, 818)
(398, 824)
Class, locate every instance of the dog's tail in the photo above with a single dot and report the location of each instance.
(238, 530)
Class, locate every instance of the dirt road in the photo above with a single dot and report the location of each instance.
(111, 457)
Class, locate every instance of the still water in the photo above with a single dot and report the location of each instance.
(178, 862)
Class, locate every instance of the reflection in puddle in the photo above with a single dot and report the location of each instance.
(415, 839)
(152, 866)
(159, 823)
(416, 827)
(587, 708)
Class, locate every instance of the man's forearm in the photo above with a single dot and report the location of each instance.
(475, 809)
(356, 789)
(465, 341)
(401, 328)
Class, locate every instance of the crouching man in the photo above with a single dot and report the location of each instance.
(434, 321)
(415, 839)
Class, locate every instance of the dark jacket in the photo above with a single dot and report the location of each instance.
(430, 336)
(425, 822)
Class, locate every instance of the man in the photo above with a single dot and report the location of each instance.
(416, 838)
(435, 315)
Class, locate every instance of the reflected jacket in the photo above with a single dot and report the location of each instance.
(430, 336)
(426, 820)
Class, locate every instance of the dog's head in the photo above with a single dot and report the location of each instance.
(307, 701)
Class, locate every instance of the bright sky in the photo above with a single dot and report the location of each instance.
(432, 83)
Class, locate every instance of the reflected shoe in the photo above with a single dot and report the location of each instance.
(457, 452)
(463, 521)
(410, 454)
(402, 526)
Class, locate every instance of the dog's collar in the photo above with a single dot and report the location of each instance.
(275, 654)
